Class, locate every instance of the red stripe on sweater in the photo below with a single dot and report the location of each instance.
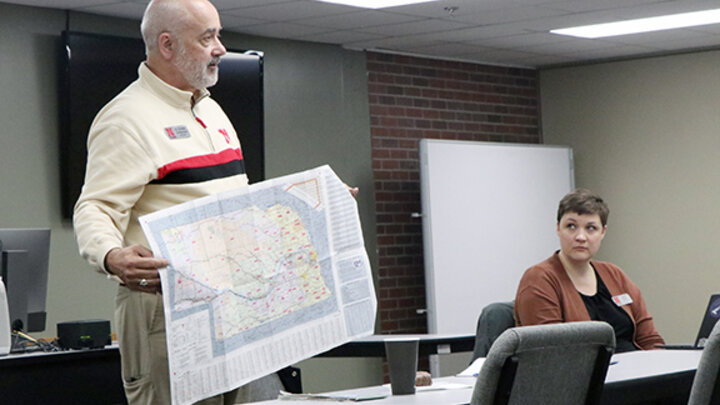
(195, 162)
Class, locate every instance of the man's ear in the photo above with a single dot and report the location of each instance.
(166, 45)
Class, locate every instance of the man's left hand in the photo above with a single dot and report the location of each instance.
(354, 191)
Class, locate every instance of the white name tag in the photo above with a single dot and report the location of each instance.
(177, 132)
(622, 299)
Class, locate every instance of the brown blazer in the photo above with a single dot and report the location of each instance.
(547, 295)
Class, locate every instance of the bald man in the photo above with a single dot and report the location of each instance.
(160, 142)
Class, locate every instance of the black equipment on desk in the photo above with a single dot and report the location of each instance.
(87, 334)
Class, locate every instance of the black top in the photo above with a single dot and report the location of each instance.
(602, 308)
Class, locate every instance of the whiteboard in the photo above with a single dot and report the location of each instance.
(489, 212)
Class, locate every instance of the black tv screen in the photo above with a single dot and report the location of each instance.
(94, 68)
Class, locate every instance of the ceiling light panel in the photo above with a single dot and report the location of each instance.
(665, 22)
(375, 4)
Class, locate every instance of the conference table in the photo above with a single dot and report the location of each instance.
(92, 376)
(634, 378)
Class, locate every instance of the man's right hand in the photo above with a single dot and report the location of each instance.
(137, 267)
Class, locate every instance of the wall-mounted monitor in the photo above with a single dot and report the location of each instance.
(94, 68)
(24, 270)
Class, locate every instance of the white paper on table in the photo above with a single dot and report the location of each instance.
(364, 394)
(437, 386)
(473, 369)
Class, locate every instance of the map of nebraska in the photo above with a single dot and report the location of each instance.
(260, 278)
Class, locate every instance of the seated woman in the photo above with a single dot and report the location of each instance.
(570, 286)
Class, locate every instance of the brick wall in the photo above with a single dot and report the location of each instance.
(413, 98)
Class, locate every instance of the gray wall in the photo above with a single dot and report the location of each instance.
(316, 113)
(645, 136)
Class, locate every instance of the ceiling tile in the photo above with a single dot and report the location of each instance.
(282, 30)
(124, 10)
(619, 51)
(358, 19)
(570, 46)
(234, 23)
(450, 49)
(289, 11)
(583, 6)
(704, 42)
(61, 4)
(223, 5)
(508, 15)
(447, 8)
(339, 37)
(415, 27)
(519, 58)
(663, 39)
(520, 40)
(394, 43)
(707, 29)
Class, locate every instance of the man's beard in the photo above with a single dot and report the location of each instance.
(194, 72)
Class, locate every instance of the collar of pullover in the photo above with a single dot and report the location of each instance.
(170, 94)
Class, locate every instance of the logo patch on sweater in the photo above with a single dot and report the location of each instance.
(177, 132)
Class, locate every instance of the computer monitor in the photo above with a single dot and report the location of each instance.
(24, 270)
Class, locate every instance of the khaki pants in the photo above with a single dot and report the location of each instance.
(140, 324)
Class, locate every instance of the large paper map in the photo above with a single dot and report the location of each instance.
(260, 278)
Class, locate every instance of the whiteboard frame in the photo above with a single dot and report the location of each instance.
(466, 269)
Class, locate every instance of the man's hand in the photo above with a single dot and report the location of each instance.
(354, 191)
(136, 267)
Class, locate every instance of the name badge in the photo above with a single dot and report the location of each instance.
(177, 132)
(622, 299)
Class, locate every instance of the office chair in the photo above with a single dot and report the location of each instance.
(557, 364)
(494, 319)
(706, 384)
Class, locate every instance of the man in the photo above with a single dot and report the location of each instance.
(160, 142)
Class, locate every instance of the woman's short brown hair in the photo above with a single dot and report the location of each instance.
(582, 201)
